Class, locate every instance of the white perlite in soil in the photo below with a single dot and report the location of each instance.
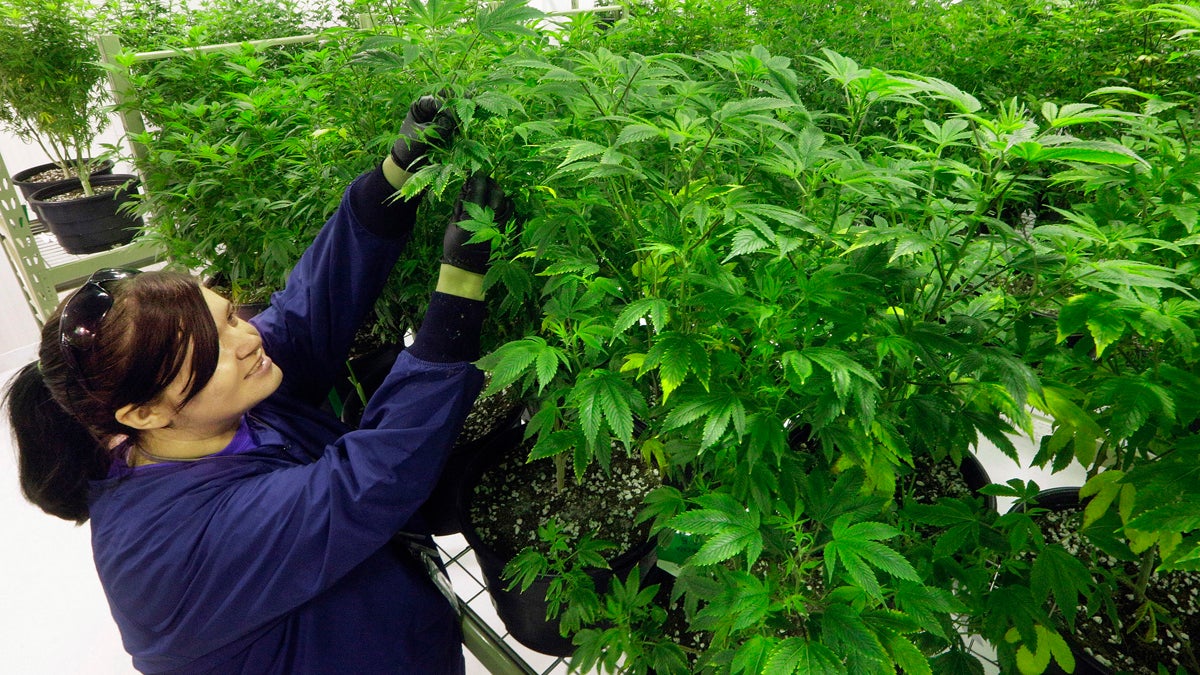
(932, 481)
(1124, 647)
(51, 175)
(78, 194)
(514, 498)
(487, 415)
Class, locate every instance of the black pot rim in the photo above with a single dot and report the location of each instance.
(20, 177)
(62, 187)
(1055, 498)
(973, 472)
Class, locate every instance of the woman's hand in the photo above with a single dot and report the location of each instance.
(429, 123)
(464, 264)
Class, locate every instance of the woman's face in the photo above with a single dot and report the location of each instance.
(244, 375)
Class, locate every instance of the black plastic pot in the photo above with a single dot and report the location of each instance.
(369, 370)
(248, 310)
(976, 477)
(89, 224)
(524, 613)
(28, 187)
(439, 515)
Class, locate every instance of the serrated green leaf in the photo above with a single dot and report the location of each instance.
(926, 606)
(585, 268)
(1061, 651)
(1056, 572)
(1133, 273)
(637, 133)
(842, 369)
(728, 410)
(869, 531)
(705, 521)
(907, 655)
(675, 354)
(844, 632)
(687, 412)
(555, 443)
(745, 241)
(1105, 486)
(547, 364)
(1179, 516)
(506, 16)
(751, 105)
(727, 544)
(956, 662)
(657, 309)
(1091, 152)
(602, 397)
(577, 150)
(797, 656)
(497, 103)
(751, 658)
(857, 549)
(508, 363)
(1106, 328)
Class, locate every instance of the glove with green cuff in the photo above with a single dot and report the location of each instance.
(428, 124)
(456, 252)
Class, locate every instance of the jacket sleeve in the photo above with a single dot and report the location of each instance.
(268, 542)
(310, 324)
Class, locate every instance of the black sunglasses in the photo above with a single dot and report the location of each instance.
(84, 310)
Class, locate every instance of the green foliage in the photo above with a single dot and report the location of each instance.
(152, 25)
(571, 595)
(629, 635)
(991, 48)
(240, 178)
(781, 281)
(718, 261)
(50, 84)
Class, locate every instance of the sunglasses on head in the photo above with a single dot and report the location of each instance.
(85, 309)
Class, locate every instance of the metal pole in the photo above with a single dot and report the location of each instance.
(122, 93)
(224, 47)
(489, 648)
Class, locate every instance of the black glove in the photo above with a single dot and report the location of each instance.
(427, 123)
(482, 190)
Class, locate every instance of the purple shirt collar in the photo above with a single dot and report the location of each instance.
(243, 440)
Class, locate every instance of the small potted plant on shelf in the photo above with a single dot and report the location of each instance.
(51, 93)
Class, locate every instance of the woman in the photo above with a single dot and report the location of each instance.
(235, 528)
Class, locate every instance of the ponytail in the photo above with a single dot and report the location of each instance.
(62, 427)
(57, 455)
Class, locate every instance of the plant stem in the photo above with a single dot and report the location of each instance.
(1145, 569)
(628, 86)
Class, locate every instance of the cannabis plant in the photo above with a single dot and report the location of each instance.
(781, 308)
(719, 266)
(50, 83)
(239, 178)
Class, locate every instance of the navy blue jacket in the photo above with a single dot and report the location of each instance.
(274, 555)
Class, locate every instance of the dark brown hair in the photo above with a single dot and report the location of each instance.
(63, 423)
